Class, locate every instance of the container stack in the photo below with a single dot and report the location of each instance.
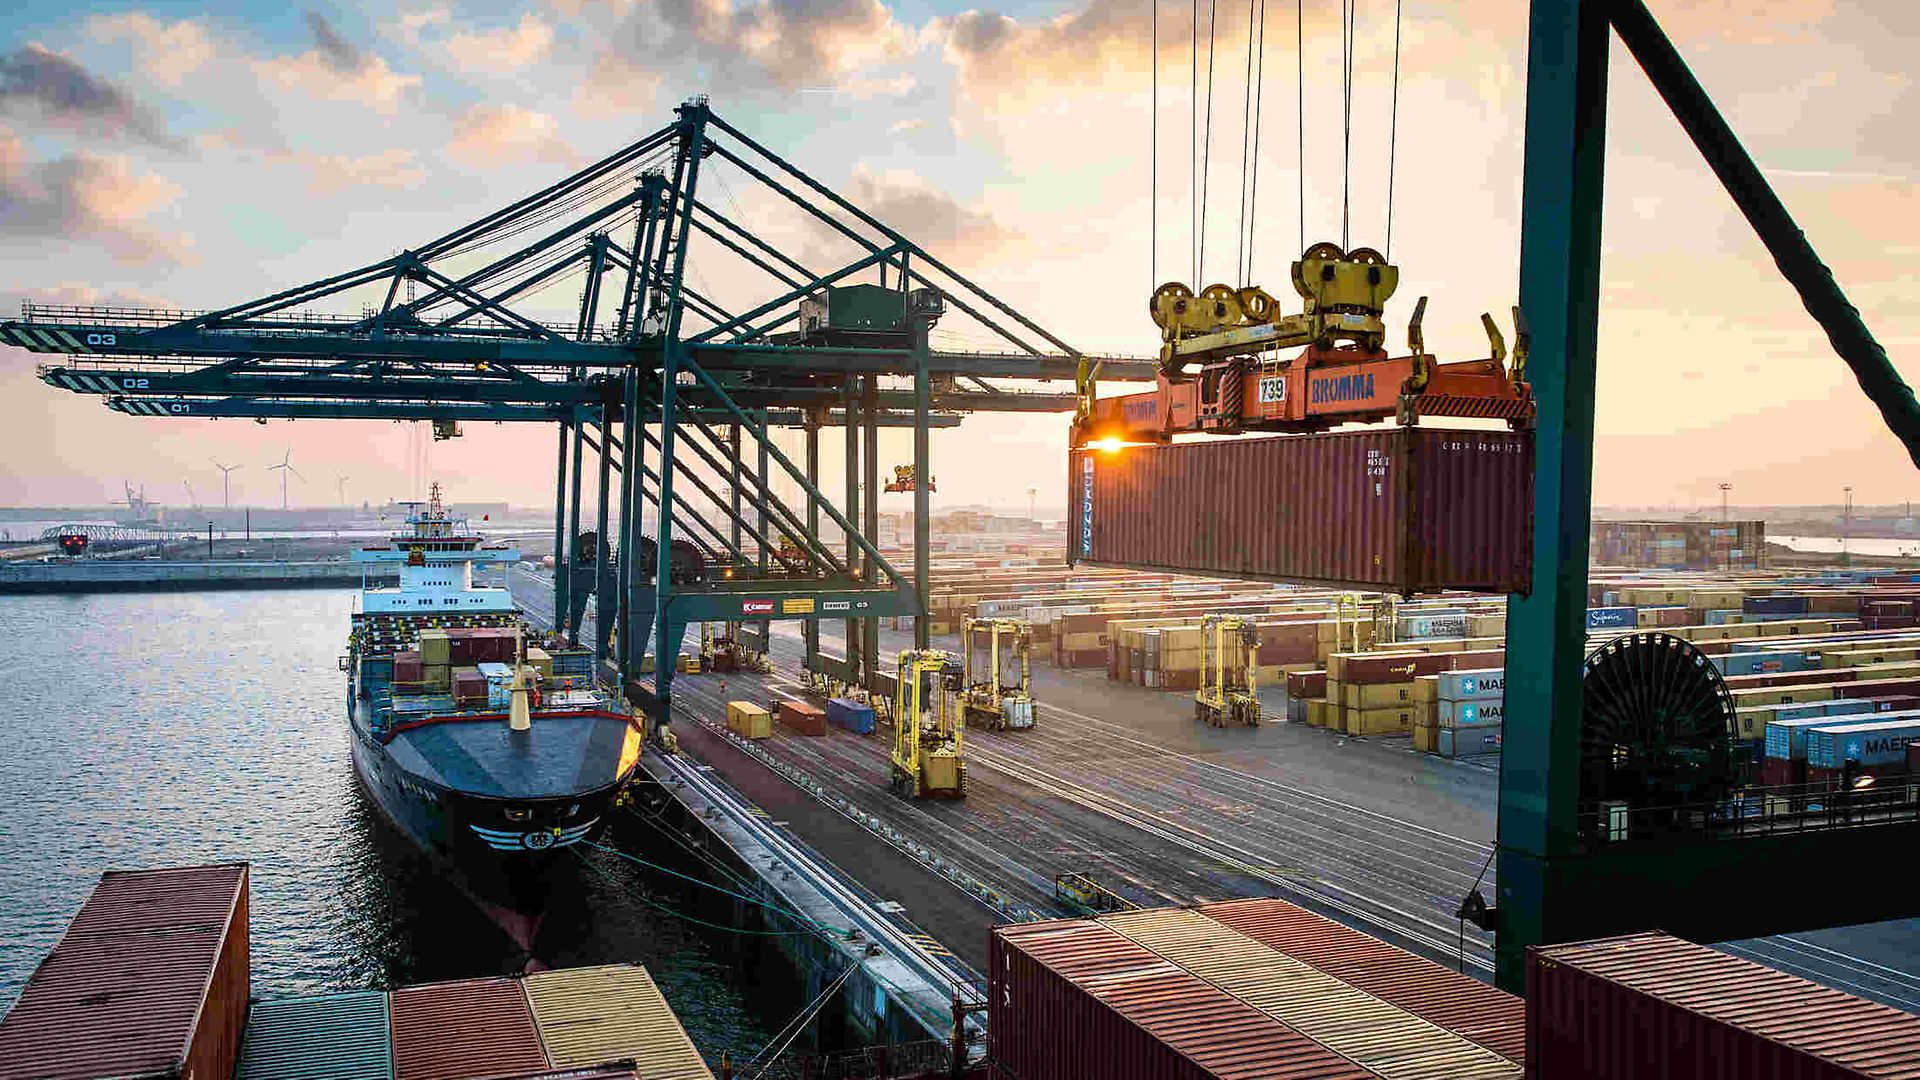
(1650, 1005)
(1255, 987)
(1680, 545)
(150, 979)
(1467, 712)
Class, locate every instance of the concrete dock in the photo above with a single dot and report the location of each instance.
(162, 575)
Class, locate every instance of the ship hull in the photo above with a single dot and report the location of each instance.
(506, 867)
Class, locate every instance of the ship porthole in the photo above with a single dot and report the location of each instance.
(518, 813)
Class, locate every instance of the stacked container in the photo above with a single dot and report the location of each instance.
(586, 1016)
(1654, 1007)
(150, 979)
(329, 1037)
(1471, 713)
(464, 1030)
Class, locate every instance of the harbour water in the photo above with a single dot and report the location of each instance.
(166, 729)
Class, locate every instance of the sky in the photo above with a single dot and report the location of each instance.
(195, 155)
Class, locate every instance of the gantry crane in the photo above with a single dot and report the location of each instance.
(722, 650)
(1341, 373)
(985, 694)
(1229, 687)
(929, 741)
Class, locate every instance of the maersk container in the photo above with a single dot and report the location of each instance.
(1471, 714)
(1654, 1007)
(1875, 743)
(1482, 684)
(150, 980)
(1610, 618)
(1404, 510)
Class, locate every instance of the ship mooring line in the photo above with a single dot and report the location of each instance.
(814, 926)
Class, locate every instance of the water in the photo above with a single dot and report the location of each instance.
(169, 729)
(1858, 545)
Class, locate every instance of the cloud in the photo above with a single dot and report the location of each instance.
(336, 69)
(330, 174)
(168, 51)
(85, 196)
(491, 135)
(55, 87)
(789, 43)
(912, 206)
(508, 48)
(413, 23)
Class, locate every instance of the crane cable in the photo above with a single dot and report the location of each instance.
(1206, 144)
(1250, 138)
(1347, 51)
(1153, 159)
(1300, 95)
(1393, 128)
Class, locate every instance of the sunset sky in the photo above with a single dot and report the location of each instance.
(195, 155)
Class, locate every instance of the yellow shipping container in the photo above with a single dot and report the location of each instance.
(592, 1015)
(1426, 688)
(1751, 722)
(749, 721)
(1781, 695)
(1357, 1025)
(1389, 721)
(1426, 737)
(435, 647)
(1378, 695)
(1318, 711)
(1487, 626)
(541, 661)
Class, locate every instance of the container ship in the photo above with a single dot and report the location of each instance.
(488, 752)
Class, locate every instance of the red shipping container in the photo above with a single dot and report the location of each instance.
(469, 686)
(1654, 1007)
(802, 717)
(1460, 1003)
(150, 979)
(1406, 510)
(1074, 1000)
(409, 669)
(1306, 684)
(464, 1030)
(460, 646)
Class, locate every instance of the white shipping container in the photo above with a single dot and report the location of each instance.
(1468, 714)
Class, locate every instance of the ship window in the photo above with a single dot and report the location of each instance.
(518, 813)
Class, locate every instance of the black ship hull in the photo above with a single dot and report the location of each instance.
(503, 853)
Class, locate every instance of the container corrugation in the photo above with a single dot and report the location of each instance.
(328, 1037)
(1469, 741)
(1654, 1007)
(588, 1016)
(1868, 742)
(1073, 1000)
(1391, 1041)
(463, 1030)
(855, 716)
(1406, 510)
(150, 979)
(1460, 1003)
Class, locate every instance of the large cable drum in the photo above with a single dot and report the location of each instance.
(1657, 729)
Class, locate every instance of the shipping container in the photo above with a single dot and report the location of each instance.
(855, 716)
(463, 1030)
(1405, 510)
(1074, 1000)
(594, 1015)
(802, 717)
(1468, 741)
(749, 721)
(1873, 743)
(1365, 1029)
(150, 979)
(1455, 1001)
(327, 1037)
(1609, 618)
(1484, 684)
(1654, 1007)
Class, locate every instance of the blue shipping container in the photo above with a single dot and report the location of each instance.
(1881, 742)
(1466, 714)
(1761, 663)
(1611, 618)
(850, 714)
(1778, 604)
(330, 1037)
(1787, 739)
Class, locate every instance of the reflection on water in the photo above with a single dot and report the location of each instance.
(177, 728)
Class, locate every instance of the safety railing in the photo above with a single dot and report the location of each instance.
(1773, 810)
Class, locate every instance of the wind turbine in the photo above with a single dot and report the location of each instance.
(226, 484)
(285, 467)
